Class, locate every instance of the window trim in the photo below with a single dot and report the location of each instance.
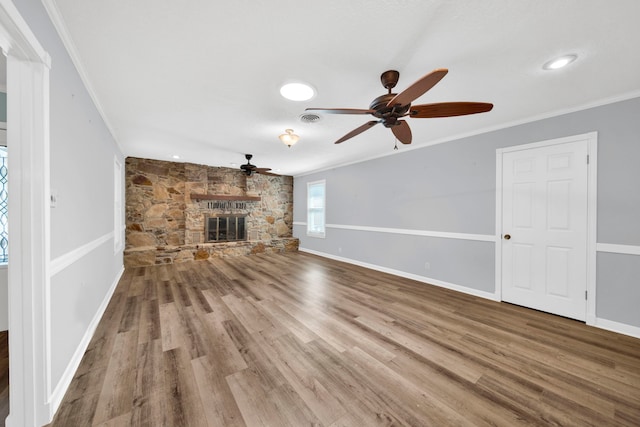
(118, 224)
(3, 144)
(320, 235)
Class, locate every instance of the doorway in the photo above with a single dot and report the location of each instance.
(545, 252)
(28, 275)
(4, 242)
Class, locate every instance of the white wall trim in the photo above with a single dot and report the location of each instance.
(16, 36)
(618, 249)
(118, 211)
(399, 273)
(591, 139)
(621, 328)
(62, 386)
(592, 225)
(411, 232)
(29, 278)
(63, 261)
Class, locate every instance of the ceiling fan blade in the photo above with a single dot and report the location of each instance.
(448, 109)
(402, 132)
(417, 89)
(261, 170)
(357, 131)
(267, 173)
(342, 110)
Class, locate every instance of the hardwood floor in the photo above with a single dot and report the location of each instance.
(298, 340)
(4, 376)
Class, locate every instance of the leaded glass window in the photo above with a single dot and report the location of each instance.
(4, 199)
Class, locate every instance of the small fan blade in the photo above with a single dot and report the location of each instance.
(342, 110)
(261, 170)
(402, 132)
(357, 131)
(448, 109)
(417, 89)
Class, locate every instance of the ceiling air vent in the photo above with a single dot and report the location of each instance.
(309, 118)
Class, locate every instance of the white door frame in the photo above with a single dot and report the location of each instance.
(29, 247)
(592, 172)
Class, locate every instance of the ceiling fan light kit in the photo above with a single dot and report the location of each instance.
(390, 108)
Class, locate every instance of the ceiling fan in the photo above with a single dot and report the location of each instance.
(390, 108)
(250, 169)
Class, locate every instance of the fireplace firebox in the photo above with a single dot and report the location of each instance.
(225, 228)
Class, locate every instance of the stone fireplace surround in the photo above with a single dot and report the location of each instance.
(167, 202)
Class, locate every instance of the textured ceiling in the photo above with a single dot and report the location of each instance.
(201, 79)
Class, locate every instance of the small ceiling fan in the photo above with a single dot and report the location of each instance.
(250, 169)
(390, 108)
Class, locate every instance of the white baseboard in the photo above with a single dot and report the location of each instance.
(399, 273)
(61, 388)
(621, 328)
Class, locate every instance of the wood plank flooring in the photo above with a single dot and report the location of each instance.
(299, 340)
(4, 376)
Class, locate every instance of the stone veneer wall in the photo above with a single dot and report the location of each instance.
(165, 225)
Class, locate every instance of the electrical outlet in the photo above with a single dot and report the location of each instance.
(427, 266)
(340, 250)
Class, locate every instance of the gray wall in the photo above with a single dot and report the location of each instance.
(451, 187)
(82, 159)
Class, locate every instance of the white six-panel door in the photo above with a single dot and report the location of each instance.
(544, 228)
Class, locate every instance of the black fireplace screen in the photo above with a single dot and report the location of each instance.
(225, 228)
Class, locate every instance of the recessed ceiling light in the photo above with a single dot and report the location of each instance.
(175, 156)
(234, 165)
(560, 62)
(297, 91)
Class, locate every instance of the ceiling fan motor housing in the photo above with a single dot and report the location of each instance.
(389, 115)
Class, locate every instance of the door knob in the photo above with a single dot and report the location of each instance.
(507, 236)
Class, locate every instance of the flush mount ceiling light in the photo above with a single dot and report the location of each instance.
(289, 138)
(175, 156)
(560, 62)
(297, 91)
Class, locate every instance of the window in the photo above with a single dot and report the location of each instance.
(117, 205)
(315, 208)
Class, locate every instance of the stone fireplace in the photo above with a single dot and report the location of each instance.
(182, 211)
